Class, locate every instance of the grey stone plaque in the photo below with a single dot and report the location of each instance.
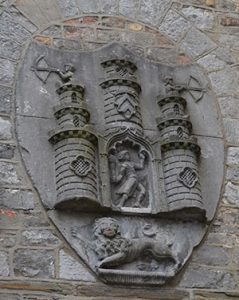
(126, 154)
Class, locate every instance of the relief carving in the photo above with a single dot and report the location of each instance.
(126, 104)
(43, 70)
(126, 178)
(115, 250)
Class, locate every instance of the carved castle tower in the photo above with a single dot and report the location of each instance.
(75, 146)
(121, 96)
(180, 154)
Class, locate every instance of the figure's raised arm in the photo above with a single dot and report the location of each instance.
(140, 165)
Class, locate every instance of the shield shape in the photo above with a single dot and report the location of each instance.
(124, 155)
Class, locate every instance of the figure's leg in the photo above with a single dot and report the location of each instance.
(122, 200)
(113, 260)
(141, 195)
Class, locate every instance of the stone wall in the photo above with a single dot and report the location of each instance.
(35, 261)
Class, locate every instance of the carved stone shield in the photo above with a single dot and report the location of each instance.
(126, 154)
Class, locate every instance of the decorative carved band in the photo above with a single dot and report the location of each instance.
(121, 82)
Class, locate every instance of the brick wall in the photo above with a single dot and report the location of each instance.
(35, 261)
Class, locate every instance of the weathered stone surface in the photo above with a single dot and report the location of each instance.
(216, 295)
(236, 256)
(221, 239)
(18, 16)
(232, 193)
(202, 18)
(4, 2)
(30, 9)
(225, 55)
(174, 26)
(128, 8)
(4, 264)
(5, 99)
(35, 219)
(6, 151)
(10, 219)
(38, 287)
(7, 69)
(140, 38)
(39, 237)
(70, 268)
(50, 8)
(211, 62)
(231, 127)
(17, 199)
(5, 129)
(8, 173)
(108, 35)
(37, 290)
(196, 43)
(53, 30)
(69, 7)
(203, 277)
(233, 156)
(164, 55)
(34, 263)
(130, 293)
(224, 81)
(8, 238)
(90, 6)
(10, 28)
(229, 106)
(212, 256)
(4, 296)
(152, 11)
(231, 41)
(10, 49)
(227, 216)
(232, 174)
(109, 7)
(65, 44)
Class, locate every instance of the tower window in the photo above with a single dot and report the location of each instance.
(76, 121)
(74, 97)
(180, 132)
(176, 109)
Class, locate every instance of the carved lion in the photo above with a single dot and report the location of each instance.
(114, 250)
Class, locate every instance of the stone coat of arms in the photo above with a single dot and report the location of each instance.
(124, 154)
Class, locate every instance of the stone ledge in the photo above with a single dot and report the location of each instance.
(89, 291)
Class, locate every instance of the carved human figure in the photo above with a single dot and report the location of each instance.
(67, 73)
(43, 70)
(170, 85)
(123, 172)
(114, 250)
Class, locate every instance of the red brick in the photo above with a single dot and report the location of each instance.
(229, 21)
(90, 20)
(84, 33)
(87, 20)
(184, 59)
(43, 40)
(7, 212)
(73, 21)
